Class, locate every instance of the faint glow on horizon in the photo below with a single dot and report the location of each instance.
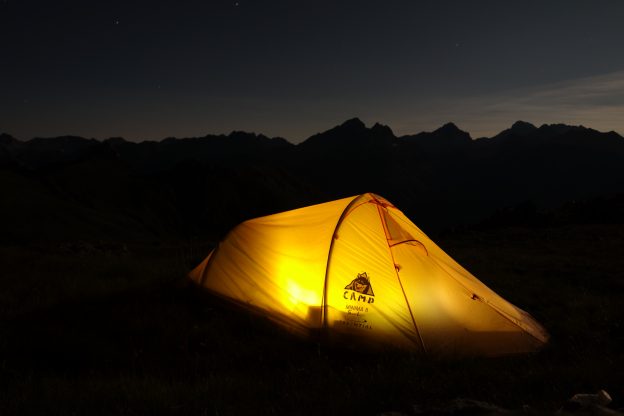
(596, 102)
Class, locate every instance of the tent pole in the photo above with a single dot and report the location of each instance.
(324, 324)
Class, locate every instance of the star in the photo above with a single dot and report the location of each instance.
(117, 22)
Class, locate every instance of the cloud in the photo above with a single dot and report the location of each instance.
(596, 102)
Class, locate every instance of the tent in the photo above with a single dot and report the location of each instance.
(358, 271)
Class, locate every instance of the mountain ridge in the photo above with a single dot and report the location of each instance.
(353, 124)
(63, 187)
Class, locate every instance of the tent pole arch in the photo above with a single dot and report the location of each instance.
(329, 254)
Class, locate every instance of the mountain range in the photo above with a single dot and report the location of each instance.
(75, 188)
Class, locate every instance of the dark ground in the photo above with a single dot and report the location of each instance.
(109, 329)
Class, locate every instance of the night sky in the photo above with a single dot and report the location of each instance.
(153, 69)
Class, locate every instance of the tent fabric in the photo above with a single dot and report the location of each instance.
(358, 271)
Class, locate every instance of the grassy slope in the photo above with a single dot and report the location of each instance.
(106, 329)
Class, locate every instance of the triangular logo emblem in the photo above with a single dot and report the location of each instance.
(361, 284)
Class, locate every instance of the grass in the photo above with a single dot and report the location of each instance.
(108, 329)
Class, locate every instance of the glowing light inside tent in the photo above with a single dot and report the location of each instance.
(301, 286)
(300, 294)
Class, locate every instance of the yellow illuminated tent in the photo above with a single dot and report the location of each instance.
(357, 270)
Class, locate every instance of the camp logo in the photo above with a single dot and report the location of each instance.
(360, 289)
(359, 296)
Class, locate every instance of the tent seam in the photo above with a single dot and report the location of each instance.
(396, 272)
(483, 300)
(486, 302)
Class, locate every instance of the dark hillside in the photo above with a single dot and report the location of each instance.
(182, 187)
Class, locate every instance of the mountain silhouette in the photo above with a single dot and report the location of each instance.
(71, 187)
(518, 129)
(448, 138)
(352, 135)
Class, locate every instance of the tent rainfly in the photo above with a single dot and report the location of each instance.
(358, 271)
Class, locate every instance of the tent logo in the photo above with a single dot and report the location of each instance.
(361, 284)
